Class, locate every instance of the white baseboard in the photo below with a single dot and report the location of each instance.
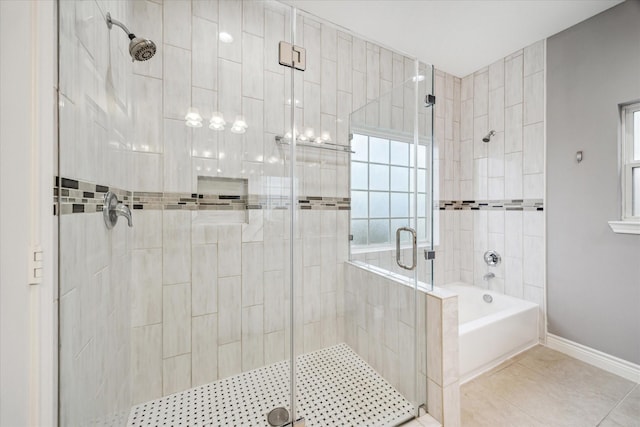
(605, 361)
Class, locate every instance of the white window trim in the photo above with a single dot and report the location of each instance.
(628, 224)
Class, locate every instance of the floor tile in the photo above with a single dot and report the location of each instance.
(627, 413)
(480, 408)
(335, 387)
(550, 401)
(543, 387)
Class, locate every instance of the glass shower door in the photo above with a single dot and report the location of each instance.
(391, 228)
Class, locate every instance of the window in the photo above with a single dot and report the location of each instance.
(630, 134)
(382, 190)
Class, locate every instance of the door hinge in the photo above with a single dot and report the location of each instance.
(429, 255)
(292, 56)
(429, 100)
(35, 265)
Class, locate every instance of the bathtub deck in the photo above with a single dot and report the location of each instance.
(335, 388)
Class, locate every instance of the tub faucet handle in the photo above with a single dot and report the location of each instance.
(492, 258)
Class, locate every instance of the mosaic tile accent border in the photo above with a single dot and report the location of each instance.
(72, 196)
(493, 205)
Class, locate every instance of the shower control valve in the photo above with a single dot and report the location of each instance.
(492, 258)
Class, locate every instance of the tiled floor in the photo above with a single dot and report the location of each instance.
(335, 388)
(544, 388)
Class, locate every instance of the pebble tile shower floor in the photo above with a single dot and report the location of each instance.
(335, 388)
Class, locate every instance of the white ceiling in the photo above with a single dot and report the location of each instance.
(458, 37)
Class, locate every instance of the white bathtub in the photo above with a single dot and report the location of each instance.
(491, 332)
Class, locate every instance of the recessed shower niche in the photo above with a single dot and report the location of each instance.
(225, 200)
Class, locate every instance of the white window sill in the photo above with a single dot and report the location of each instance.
(625, 227)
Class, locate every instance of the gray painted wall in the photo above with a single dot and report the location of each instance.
(593, 274)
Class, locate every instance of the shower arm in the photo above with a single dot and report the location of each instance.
(111, 22)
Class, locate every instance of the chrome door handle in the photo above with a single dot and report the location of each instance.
(414, 247)
(112, 209)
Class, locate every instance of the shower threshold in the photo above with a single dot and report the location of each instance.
(335, 387)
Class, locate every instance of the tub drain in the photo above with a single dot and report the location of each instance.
(487, 298)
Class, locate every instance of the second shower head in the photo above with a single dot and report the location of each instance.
(487, 137)
(140, 48)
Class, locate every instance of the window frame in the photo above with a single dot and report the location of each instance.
(628, 224)
(390, 137)
(628, 162)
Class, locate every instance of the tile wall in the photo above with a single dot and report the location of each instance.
(380, 324)
(219, 304)
(504, 178)
(508, 97)
(95, 263)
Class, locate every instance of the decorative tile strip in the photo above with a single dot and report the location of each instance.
(493, 205)
(81, 197)
(73, 196)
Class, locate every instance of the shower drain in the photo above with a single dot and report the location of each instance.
(278, 416)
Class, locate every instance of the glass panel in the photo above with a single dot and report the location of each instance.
(422, 230)
(397, 223)
(359, 176)
(399, 179)
(636, 135)
(422, 156)
(359, 204)
(379, 205)
(359, 144)
(422, 205)
(399, 204)
(378, 177)
(379, 231)
(359, 229)
(422, 180)
(391, 147)
(399, 153)
(119, 123)
(635, 190)
(379, 150)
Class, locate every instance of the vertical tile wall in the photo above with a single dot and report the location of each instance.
(380, 325)
(508, 97)
(218, 305)
(95, 263)
(447, 173)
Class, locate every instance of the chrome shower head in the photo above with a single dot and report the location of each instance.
(487, 138)
(140, 48)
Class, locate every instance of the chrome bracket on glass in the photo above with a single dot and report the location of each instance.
(292, 56)
(414, 247)
(429, 254)
(112, 209)
(429, 100)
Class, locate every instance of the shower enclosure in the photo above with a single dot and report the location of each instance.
(224, 297)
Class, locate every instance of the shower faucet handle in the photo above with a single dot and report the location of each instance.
(112, 209)
(492, 258)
